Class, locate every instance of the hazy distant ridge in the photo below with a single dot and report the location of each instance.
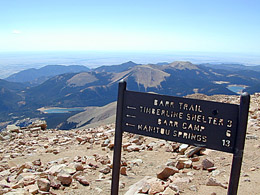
(37, 76)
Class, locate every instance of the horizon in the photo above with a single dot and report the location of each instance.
(13, 62)
(198, 26)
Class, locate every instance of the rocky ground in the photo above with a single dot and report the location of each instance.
(47, 161)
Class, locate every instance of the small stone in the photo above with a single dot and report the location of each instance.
(182, 162)
(137, 162)
(19, 184)
(188, 164)
(190, 173)
(74, 185)
(37, 162)
(195, 159)
(211, 169)
(134, 147)
(121, 185)
(105, 170)
(105, 143)
(80, 139)
(79, 167)
(55, 151)
(174, 187)
(168, 191)
(54, 182)
(177, 179)
(193, 188)
(190, 152)
(1, 139)
(213, 182)
(197, 167)
(82, 180)
(29, 180)
(215, 173)
(206, 163)
(4, 184)
(183, 148)
(32, 189)
(145, 188)
(110, 146)
(123, 171)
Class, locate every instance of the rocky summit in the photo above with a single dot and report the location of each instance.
(38, 160)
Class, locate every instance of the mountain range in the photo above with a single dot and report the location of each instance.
(35, 76)
(82, 87)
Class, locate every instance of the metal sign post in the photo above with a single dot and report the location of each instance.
(208, 124)
(239, 145)
(118, 139)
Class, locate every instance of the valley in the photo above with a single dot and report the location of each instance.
(59, 93)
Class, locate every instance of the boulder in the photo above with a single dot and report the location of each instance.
(64, 178)
(43, 184)
(54, 182)
(13, 128)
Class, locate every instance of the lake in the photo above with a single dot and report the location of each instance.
(62, 110)
(236, 88)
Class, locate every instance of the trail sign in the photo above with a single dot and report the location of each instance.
(208, 124)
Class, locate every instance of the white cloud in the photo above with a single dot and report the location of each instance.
(16, 32)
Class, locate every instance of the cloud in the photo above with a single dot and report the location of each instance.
(16, 32)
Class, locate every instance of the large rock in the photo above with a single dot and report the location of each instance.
(13, 128)
(32, 189)
(156, 187)
(54, 182)
(64, 178)
(43, 184)
(135, 188)
(55, 169)
(166, 172)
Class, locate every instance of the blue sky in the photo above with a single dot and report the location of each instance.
(136, 25)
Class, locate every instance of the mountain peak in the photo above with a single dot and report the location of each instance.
(182, 65)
